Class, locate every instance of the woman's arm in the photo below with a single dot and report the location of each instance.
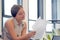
(10, 27)
(27, 36)
(24, 29)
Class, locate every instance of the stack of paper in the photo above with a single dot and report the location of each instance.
(39, 27)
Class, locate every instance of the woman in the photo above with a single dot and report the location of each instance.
(15, 28)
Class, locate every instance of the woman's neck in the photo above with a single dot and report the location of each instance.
(18, 21)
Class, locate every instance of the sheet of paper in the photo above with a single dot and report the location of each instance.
(39, 27)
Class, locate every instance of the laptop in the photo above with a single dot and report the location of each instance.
(56, 38)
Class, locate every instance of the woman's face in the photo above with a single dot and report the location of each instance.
(21, 14)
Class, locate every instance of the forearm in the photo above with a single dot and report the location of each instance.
(24, 37)
(27, 36)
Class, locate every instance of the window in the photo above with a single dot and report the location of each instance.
(32, 13)
(58, 9)
(7, 6)
(53, 11)
(48, 9)
(33, 9)
(4, 20)
(49, 28)
(31, 24)
(48, 15)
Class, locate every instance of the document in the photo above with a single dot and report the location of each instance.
(39, 26)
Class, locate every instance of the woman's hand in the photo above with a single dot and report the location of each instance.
(31, 34)
(28, 36)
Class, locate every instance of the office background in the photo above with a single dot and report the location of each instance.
(46, 9)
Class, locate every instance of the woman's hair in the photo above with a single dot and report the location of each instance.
(15, 9)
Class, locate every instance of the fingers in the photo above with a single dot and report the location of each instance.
(31, 34)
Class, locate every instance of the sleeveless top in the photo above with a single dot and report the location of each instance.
(17, 28)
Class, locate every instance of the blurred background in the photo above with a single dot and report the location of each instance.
(46, 9)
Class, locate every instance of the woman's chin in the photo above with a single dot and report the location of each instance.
(23, 18)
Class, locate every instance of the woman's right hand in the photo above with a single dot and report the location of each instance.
(31, 34)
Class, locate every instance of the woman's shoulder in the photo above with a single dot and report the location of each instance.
(9, 22)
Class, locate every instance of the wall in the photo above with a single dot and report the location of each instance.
(0, 17)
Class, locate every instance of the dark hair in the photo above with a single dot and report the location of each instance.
(15, 9)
